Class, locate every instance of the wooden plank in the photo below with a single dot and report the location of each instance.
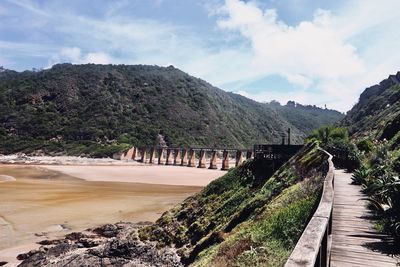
(352, 231)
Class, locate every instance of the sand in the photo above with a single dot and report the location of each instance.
(46, 202)
(149, 174)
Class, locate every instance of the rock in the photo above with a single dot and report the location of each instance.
(113, 245)
(75, 236)
(107, 230)
(49, 242)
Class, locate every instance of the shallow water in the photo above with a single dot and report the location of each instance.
(42, 203)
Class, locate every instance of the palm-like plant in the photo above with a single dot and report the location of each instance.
(360, 175)
(384, 194)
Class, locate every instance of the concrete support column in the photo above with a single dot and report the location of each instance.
(239, 158)
(134, 153)
(143, 158)
(192, 158)
(213, 160)
(169, 157)
(225, 160)
(129, 154)
(138, 154)
(152, 155)
(202, 159)
(177, 157)
(184, 157)
(249, 154)
(160, 156)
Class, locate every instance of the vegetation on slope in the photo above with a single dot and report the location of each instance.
(247, 216)
(377, 113)
(379, 177)
(374, 124)
(99, 109)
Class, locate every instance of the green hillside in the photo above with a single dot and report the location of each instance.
(98, 109)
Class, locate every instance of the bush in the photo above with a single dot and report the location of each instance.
(108, 150)
(328, 134)
(360, 175)
(365, 145)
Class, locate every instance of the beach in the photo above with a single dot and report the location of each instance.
(49, 201)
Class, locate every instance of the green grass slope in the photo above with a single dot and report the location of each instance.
(247, 217)
(99, 109)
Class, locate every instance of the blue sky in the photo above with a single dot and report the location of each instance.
(313, 52)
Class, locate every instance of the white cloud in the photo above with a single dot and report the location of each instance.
(312, 49)
(74, 55)
(331, 58)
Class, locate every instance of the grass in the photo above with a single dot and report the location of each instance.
(247, 217)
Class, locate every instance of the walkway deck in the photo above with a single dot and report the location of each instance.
(354, 240)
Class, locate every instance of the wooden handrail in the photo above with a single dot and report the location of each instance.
(313, 247)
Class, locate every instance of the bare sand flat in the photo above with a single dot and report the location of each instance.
(149, 174)
(37, 203)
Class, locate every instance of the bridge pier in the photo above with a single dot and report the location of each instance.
(169, 157)
(202, 159)
(184, 159)
(177, 157)
(134, 153)
(213, 160)
(249, 154)
(161, 156)
(152, 155)
(225, 160)
(239, 158)
(143, 158)
(192, 158)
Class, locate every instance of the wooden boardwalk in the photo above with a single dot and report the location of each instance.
(354, 240)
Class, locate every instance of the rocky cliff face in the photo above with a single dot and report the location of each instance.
(377, 113)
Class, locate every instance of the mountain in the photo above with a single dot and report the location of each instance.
(377, 113)
(96, 109)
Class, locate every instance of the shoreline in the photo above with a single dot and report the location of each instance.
(42, 197)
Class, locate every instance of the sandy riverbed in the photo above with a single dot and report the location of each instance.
(39, 202)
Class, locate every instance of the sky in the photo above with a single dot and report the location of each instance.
(313, 52)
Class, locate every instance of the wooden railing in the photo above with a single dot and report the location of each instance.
(313, 247)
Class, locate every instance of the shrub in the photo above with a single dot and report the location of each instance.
(365, 145)
(360, 175)
(328, 134)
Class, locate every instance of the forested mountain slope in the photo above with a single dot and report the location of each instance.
(78, 109)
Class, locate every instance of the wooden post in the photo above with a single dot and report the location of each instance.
(184, 159)
(152, 155)
(202, 159)
(213, 160)
(225, 160)
(239, 158)
(192, 158)
(160, 156)
(288, 137)
(143, 158)
(177, 157)
(169, 157)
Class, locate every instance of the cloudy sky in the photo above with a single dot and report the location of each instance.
(313, 52)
